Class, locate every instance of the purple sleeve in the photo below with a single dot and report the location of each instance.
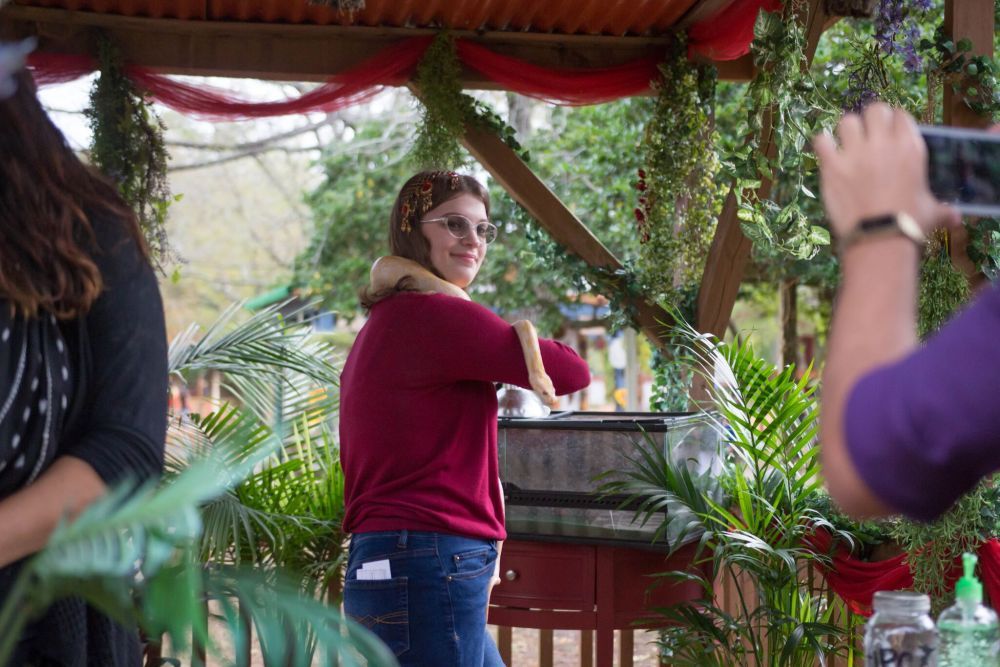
(923, 430)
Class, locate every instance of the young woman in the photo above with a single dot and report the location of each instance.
(419, 433)
(83, 364)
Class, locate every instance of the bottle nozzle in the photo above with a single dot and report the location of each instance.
(969, 588)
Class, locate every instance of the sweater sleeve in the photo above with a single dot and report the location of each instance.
(923, 430)
(455, 340)
(125, 400)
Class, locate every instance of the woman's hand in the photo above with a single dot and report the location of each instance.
(879, 168)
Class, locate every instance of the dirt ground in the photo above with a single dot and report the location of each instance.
(524, 649)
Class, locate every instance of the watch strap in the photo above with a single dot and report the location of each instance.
(892, 224)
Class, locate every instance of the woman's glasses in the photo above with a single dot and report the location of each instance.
(459, 226)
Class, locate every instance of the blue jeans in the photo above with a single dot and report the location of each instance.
(431, 612)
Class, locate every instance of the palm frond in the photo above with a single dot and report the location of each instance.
(133, 553)
(256, 350)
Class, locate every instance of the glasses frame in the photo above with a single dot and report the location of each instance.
(469, 227)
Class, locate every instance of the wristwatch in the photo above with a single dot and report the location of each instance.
(894, 224)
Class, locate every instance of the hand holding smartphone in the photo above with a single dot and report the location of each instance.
(964, 168)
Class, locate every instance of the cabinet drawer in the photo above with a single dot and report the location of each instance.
(546, 576)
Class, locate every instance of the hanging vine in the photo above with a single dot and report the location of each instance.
(678, 195)
(128, 147)
(932, 549)
(447, 111)
(785, 111)
(444, 107)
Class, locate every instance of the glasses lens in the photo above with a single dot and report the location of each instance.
(486, 232)
(458, 226)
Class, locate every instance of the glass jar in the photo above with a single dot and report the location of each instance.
(901, 632)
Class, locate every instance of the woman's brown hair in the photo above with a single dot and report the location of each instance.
(421, 193)
(46, 197)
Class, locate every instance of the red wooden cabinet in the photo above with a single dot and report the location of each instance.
(585, 587)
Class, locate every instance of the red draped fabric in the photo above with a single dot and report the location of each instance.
(722, 37)
(561, 85)
(856, 581)
(52, 68)
(727, 34)
(393, 65)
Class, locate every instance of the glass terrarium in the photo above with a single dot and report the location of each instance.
(549, 469)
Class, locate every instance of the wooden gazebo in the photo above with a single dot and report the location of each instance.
(295, 40)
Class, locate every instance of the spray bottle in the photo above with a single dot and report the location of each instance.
(968, 630)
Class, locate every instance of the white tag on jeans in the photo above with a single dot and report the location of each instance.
(375, 570)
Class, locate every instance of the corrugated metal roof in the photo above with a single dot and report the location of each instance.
(570, 17)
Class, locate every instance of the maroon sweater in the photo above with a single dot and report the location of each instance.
(418, 414)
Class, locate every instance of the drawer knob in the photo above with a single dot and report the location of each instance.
(510, 575)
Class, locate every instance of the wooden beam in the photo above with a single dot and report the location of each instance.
(304, 52)
(730, 250)
(564, 227)
(972, 20)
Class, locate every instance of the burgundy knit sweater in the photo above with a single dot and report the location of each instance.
(418, 414)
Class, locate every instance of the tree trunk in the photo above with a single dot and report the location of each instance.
(789, 314)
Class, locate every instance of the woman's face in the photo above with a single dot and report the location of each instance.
(457, 260)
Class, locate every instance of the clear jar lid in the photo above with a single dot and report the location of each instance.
(901, 602)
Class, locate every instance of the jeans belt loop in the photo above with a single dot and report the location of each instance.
(403, 536)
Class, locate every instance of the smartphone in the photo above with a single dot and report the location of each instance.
(964, 168)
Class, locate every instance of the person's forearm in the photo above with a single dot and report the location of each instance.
(29, 516)
(874, 323)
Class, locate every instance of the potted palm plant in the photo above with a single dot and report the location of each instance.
(752, 518)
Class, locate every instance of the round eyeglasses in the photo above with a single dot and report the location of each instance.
(459, 226)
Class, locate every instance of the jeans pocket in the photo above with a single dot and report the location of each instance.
(382, 607)
(474, 563)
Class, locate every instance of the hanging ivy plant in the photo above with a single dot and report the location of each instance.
(128, 147)
(784, 101)
(444, 112)
(447, 111)
(932, 549)
(975, 78)
(943, 289)
(619, 286)
(678, 194)
(984, 246)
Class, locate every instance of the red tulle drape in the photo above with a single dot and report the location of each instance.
(856, 581)
(725, 36)
(562, 86)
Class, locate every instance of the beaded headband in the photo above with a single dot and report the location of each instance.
(416, 197)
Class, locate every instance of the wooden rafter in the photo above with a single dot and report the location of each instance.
(303, 52)
(730, 250)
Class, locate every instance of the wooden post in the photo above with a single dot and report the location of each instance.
(546, 647)
(505, 643)
(627, 642)
(972, 20)
(586, 648)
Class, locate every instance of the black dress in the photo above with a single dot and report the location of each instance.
(94, 388)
